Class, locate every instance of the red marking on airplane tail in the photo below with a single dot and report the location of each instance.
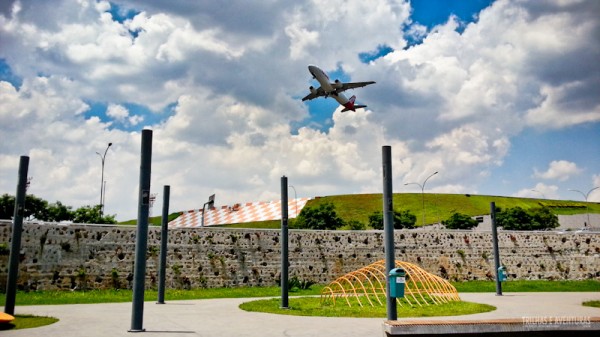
(350, 104)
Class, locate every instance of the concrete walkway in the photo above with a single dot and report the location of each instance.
(222, 317)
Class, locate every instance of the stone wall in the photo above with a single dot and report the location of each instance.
(56, 256)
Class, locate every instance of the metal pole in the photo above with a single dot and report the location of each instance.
(164, 233)
(284, 243)
(586, 203)
(496, 251)
(388, 228)
(141, 246)
(17, 229)
(102, 157)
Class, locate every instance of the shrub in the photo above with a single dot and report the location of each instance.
(460, 221)
(519, 219)
(402, 219)
(356, 225)
(321, 217)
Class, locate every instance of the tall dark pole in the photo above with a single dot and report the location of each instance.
(103, 158)
(496, 250)
(284, 243)
(388, 227)
(15, 246)
(164, 233)
(141, 245)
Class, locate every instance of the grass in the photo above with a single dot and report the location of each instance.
(124, 295)
(27, 321)
(442, 206)
(311, 306)
(153, 221)
(595, 304)
(269, 224)
(528, 286)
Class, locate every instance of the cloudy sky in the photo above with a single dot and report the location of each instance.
(501, 97)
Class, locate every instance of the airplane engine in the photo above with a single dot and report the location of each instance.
(338, 84)
(312, 90)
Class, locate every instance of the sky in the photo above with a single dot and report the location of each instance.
(499, 97)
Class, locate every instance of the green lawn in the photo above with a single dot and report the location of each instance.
(595, 304)
(312, 306)
(123, 295)
(529, 286)
(27, 321)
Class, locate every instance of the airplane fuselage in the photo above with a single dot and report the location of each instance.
(322, 78)
(333, 89)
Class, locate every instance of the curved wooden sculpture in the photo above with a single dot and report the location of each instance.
(368, 284)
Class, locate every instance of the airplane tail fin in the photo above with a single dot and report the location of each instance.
(350, 105)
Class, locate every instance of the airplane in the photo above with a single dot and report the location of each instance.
(334, 89)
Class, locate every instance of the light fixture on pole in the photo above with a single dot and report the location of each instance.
(423, 192)
(586, 195)
(102, 157)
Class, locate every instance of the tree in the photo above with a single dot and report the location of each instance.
(35, 208)
(321, 217)
(460, 221)
(519, 219)
(92, 214)
(514, 218)
(402, 219)
(58, 212)
(7, 206)
(543, 218)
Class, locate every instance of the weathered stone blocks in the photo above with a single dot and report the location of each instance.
(57, 256)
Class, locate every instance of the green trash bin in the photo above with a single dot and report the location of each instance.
(397, 280)
(502, 274)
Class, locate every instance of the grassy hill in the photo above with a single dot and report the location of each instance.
(441, 206)
(437, 206)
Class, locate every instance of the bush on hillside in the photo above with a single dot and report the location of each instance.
(402, 219)
(321, 217)
(460, 221)
(517, 218)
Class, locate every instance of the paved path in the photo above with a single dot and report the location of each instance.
(222, 317)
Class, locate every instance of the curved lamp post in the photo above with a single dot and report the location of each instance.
(586, 195)
(103, 157)
(423, 192)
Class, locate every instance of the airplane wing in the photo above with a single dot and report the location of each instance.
(351, 85)
(318, 93)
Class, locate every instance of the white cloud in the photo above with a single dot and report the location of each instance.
(540, 190)
(560, 170)
(232, 73)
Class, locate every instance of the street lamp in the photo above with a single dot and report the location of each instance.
(586, 202)
(103, 157)
(295, 199)
(423, 192)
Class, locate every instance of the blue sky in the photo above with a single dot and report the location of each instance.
(487, 93)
